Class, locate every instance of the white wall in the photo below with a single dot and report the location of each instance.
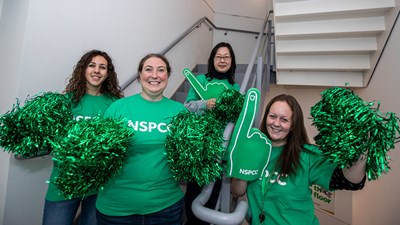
(61, 31)
(379, 202)
(41, 40)
(12, 26)
(1, 6)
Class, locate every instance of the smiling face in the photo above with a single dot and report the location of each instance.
(95, 74)
(222, 60)
(279, 122)
(153, 78)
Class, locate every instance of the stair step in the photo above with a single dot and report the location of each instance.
(323, 62)
(180, 96)
(340, 45)
(330, 28)
(320, 78)
(326, 9)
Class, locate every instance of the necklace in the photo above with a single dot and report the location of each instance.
(266, 183)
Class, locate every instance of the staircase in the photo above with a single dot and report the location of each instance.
(330, 42)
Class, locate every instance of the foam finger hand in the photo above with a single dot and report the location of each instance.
(249, 149)
(211, 90)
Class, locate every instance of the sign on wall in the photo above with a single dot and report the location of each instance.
(323, 199)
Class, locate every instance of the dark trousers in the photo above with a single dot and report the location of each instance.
(192, 191)
(171, 215)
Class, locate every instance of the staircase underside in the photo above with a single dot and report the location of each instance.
(330, 42)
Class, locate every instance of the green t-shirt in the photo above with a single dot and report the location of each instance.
(145, 183)
(89, 106)
(288, 200)
(192, 94)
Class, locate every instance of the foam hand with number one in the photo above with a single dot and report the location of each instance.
(249, 149)
(211, 90)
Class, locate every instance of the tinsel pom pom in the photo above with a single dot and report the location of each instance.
(228, 106)
(349, 127)
(195, 147)
(28, 130)
(91, 152)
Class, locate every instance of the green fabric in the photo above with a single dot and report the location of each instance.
(216, 85)
(288, 200)
(89, 106)
(145, 184)
(248, 149)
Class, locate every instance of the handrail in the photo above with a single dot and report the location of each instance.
(173, 44)
(264, 81)
(215, 217)
(180, 38)
(254, 54)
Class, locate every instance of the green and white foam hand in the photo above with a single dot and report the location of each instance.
(249, 149)
(211, 90)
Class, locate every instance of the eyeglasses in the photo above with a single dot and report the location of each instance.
(219, 58)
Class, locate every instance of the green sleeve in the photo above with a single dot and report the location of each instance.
(321, 169)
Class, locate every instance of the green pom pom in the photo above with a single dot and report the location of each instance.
(91, 152)
(195, 147)
(348, 127)
(228, 106)
(28, 130)
(195, 144)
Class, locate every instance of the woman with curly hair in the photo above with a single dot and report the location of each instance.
(93, 86)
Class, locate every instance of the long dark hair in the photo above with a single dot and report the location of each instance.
(289, 160)
(77, 82)
(211, 69)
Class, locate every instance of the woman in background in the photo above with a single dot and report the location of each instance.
(221, 69)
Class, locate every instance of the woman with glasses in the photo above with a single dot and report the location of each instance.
(221, 69)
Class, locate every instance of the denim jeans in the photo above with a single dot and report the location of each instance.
(171, 215)
(64, 212)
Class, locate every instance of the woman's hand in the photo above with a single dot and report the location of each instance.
(211, 103)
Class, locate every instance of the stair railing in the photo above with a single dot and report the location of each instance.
(196, 25)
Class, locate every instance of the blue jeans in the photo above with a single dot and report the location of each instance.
(64, 212)
(171, 215)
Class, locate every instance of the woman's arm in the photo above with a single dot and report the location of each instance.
(200, 106)
(356, 173)
(238, 187)
(352, 178)
(196, 106)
